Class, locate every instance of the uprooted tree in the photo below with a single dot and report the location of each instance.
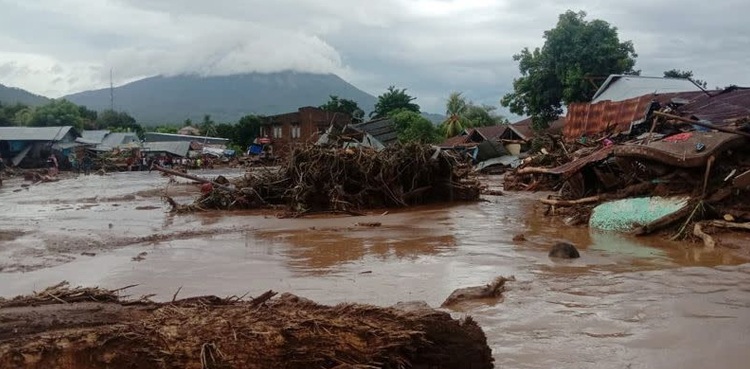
(561, 71)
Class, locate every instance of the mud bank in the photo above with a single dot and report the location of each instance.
(47, 331)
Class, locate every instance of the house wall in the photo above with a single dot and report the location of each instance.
(312, 122)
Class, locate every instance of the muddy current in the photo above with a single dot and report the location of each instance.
(626, 303)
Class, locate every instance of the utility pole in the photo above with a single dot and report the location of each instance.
(111, 92)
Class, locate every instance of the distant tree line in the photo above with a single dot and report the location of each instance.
(65, 113)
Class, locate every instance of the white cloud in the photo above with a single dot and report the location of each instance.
(431, 47)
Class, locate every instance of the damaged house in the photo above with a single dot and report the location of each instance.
(307, 124)
(29, 147)
(643, 163)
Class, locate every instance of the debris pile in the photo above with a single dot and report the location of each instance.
(320, 179)
(680, 163)
(211, 332)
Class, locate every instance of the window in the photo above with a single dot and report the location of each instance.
(296, 132)
(276, 131)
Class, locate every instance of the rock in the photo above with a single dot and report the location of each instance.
(519, 237)
(564, 250)
(492, 290)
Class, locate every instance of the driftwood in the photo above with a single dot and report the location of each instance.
(319, 179)
(708, 241)
(208, 332)
(581, 201)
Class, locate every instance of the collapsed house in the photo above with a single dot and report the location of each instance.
(180, 146)
(494, 149)
(29, 147)
(645, 163)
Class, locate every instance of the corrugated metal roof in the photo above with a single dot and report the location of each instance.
(722, 108)
(116, 139)
(492, 132)
(619, 87)
(179, 148)
(35, 133)
(614, 116)
(94, 136)
(381, 129)
(171, 137)
(522, 129)
(459, 140)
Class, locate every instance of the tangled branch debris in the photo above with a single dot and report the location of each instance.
(320, 179)
(210, 332)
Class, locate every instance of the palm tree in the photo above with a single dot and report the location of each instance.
(455, 109)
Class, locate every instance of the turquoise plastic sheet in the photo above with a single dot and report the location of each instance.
(627, 214)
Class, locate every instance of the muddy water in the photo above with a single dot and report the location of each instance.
(627, 303)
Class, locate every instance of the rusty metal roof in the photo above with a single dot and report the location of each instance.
(491, 132)
(722, 108)
(615, 116)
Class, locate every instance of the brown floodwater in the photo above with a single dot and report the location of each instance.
(626, 303)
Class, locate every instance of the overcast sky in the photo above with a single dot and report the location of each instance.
(430, 47)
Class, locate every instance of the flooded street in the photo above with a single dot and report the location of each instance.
(626, 303)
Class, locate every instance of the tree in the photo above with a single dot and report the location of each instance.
(687, 74)
(225, 130)
(413, 127)
(207, 126)
(559, 73)
(166, 129)
(483, 116)
(462, 114)
(247, 129)
(393, 99)
(10, 115)
(57, 113)
(336, 104)
(455, 109)
(119, 121)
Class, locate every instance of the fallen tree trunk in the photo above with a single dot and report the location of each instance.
(708, 241)
(210, 332)
(581, 201)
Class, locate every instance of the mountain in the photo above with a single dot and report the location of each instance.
(434, 118)
(13, 95)
(162, 99)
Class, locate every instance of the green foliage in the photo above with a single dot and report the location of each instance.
(462, 114)
(118, 122)
(393, 99)
(166, 129)
(225, 130)
(336, 104)
(247, 129)
(57, 113)
(559, 72)
(207, 126)
(483, 116)
(14, 114)
(677, 73)
(413, 127)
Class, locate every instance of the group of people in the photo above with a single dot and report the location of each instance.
(83, 164)
(164, 161)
